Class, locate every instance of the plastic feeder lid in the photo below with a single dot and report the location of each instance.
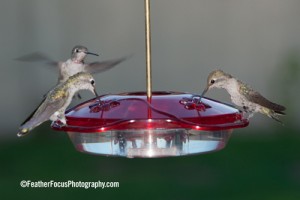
(168, 124)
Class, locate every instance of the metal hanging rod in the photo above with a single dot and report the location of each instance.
(148, 48)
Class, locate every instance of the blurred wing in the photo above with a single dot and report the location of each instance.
(256, 97)
(37, 57)
(97, 67)
(44, 111)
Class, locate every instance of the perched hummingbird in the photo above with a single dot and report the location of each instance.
(242, 95)
(57, 100)
(75, 64)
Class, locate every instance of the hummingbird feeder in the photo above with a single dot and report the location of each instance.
(151, 124)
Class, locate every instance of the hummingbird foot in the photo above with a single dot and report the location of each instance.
(63, 122)
(62, 119)
(58, 123)
(247, 114)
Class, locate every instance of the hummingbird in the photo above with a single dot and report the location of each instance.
(74, 64)
(57, 100)
(243, 95)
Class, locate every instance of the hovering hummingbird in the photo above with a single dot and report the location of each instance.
(57, 100)
(242, 95)
(75, 64)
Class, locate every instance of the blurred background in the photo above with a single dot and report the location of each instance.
(257, 41)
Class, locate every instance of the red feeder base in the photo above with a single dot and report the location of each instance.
(168, 124)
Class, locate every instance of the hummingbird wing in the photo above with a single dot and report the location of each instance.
(61, 73)
(44, 111)
(37, 57)
(32, 114)
(257, 98)
(97, 67)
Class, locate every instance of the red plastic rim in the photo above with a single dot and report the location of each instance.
(165, 110)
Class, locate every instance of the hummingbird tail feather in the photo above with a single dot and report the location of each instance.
(279, 112)
(274, 115)
(23, 132)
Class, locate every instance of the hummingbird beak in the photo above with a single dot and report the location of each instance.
(203, 93)
(95, 92)
(92, 53)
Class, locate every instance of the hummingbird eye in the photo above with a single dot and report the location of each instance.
(76, 50)
(212, 81)
(92, 82)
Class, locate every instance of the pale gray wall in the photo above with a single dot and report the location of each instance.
(255, 40)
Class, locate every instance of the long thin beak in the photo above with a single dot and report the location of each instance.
(95, 92)
(203, 93)
(92, 53)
